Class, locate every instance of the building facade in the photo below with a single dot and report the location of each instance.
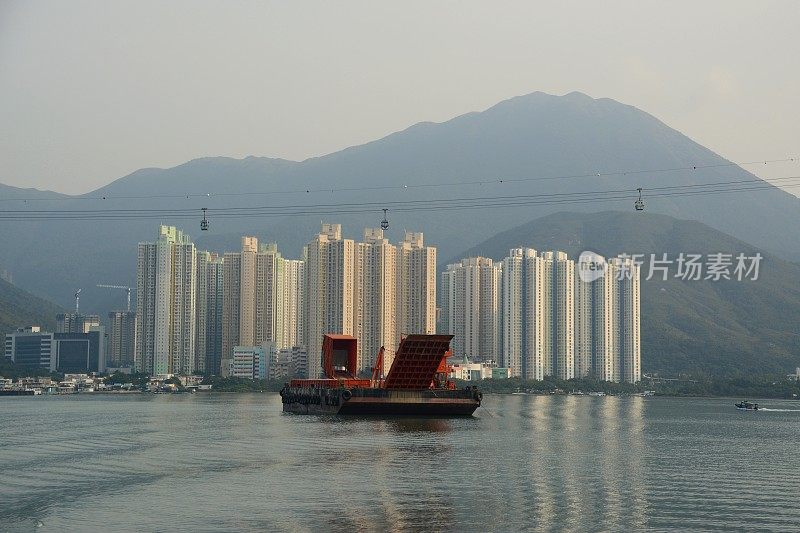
(416, 286)
(121, 346)
(80, 352)
(376, 299)
(330, 291)
(208, 330)
(292, 303)
(76, 322)
(252, 301)
(470, 299)
(31, 347)
(165, 304)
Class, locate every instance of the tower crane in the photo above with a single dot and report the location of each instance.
(121, 287)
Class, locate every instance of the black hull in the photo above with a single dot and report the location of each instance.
(380, 402)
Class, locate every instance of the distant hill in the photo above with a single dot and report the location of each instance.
(536, 135)
(19, 308)
(714, 327)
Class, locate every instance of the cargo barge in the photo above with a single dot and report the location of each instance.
(417, 383)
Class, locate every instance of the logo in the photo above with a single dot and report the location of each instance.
(591, 266)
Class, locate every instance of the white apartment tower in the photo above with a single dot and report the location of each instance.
(526, 324)
(563, 317)
(292, 302)
(416, 286)
(165, 303)
(607, 324)
(329, 270)
(538, 314)
(252, 291)
(595, 326)
(375, 320)
(208, 343)
(470, 307)
(629, 320)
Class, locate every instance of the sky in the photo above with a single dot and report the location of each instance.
(91, 91)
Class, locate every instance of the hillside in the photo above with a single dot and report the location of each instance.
(714, 327)
(19, 309)
(536, 135)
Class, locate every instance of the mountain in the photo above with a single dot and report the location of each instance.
(19, 308)
(715, 327)
(537, 135)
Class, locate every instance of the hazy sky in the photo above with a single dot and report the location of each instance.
(93, 90)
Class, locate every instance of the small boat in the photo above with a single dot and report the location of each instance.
(744, 405)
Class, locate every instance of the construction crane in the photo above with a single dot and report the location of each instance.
(77, 300)
(121, 287)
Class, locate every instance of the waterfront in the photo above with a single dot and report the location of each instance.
(212, 462)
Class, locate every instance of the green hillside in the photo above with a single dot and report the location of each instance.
(19, 308)
(699, 327)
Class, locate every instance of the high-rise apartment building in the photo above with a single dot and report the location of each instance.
(376, 299)
(556, 324)
(292, 303)
(76, 322)
(121, 346)
(330, 292)
(208, 343)
(416, 286)
(595, 326)
(629, 319)
(563, 314)
(165, 304)
(470, 304)
(538, 314)
(607, 323)
(524, 309)
(252, 296)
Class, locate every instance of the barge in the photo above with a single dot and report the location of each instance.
(417, 383)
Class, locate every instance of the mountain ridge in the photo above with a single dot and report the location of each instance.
(530, 135)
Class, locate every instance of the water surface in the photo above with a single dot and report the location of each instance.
(234, 461)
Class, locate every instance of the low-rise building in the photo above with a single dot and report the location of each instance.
(80, 352)
(31, 347)
(249, 362)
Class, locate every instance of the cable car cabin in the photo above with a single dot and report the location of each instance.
(639, 204)
(384, 222)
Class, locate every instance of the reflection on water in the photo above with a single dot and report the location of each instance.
(211, 462)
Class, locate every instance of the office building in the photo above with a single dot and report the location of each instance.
(80, 352)
(31, 347)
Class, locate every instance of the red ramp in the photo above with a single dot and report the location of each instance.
(416, 361)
